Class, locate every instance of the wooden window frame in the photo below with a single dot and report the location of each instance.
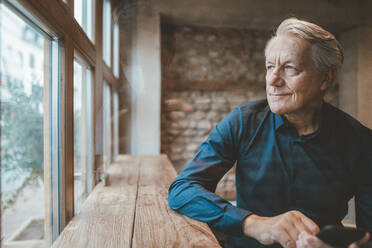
(58, 16)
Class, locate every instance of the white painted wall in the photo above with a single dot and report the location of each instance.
(146, 82)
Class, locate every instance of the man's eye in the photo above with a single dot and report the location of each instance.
(269, 67)
(289, 67)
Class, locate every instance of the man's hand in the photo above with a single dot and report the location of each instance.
(283, 229)
(306, 240)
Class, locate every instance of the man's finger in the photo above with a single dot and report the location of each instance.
(308, 240)
(303, 240)
(302, 227)
(313, 227)
(292, 230)
(284, 239)
(361, 242)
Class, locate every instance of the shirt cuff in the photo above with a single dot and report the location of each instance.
(232, 221)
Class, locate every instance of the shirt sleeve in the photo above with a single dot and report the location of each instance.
(363, 196)
(192, 194)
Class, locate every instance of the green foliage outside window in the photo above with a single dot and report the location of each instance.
(22, 147)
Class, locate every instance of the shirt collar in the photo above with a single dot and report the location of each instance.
(281, 121)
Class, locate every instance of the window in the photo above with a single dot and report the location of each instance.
(106, 126)
(107, 32)
(83, 132)
(116, 125)
(116, 56)
(83, 13)
(47, 141)
(32, 61)
(29, 137)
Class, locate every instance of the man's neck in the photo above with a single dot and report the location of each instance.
(306, 121)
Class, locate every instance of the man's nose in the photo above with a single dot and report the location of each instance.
(274, 78)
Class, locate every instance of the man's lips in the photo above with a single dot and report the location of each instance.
(279, 94)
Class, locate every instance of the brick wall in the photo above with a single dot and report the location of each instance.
(206, 72)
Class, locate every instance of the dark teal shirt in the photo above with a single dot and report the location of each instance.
(278, 170)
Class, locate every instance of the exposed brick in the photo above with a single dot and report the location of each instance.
(178, 105)
(178, 124)
(199, 116)
(192, 124)
(192, 147)
(189, 132)
(216, 118)
(177, 149)
(175, 157)
(204, 125)
(173, 131)
(176, 115)
(203, 104)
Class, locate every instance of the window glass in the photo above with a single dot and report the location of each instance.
(82, 134)
(22, 53)
(107, 32)
(83, 13)
(116, 56)
(116, 125)
(106, 126)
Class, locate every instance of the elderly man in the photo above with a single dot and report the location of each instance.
(299, 159)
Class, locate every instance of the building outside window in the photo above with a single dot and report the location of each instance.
(106, 126)
(24, 115)
(84, 15)
(115, 133)
(115, 54)
(83, 132)
(107, 32)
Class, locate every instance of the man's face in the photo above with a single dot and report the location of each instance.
(292, 83)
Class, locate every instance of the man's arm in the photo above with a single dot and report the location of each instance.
(192, 192)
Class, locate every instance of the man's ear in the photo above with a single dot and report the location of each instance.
(329, 78)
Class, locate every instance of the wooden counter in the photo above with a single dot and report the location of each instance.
(132, 211)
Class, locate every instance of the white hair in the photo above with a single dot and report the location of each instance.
(326, 50)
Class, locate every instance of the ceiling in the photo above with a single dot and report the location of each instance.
(334, 15)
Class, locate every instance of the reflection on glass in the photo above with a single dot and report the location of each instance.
(107, 32)
(116, 50)
(83, 13)
(22, 148)
(82, 134)
(116, 125)
(106, 126)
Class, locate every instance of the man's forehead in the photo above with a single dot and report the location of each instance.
(288, 48)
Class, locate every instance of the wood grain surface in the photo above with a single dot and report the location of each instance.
(133, 211)
(156, 225)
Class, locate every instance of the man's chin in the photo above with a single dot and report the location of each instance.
(279, 110)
